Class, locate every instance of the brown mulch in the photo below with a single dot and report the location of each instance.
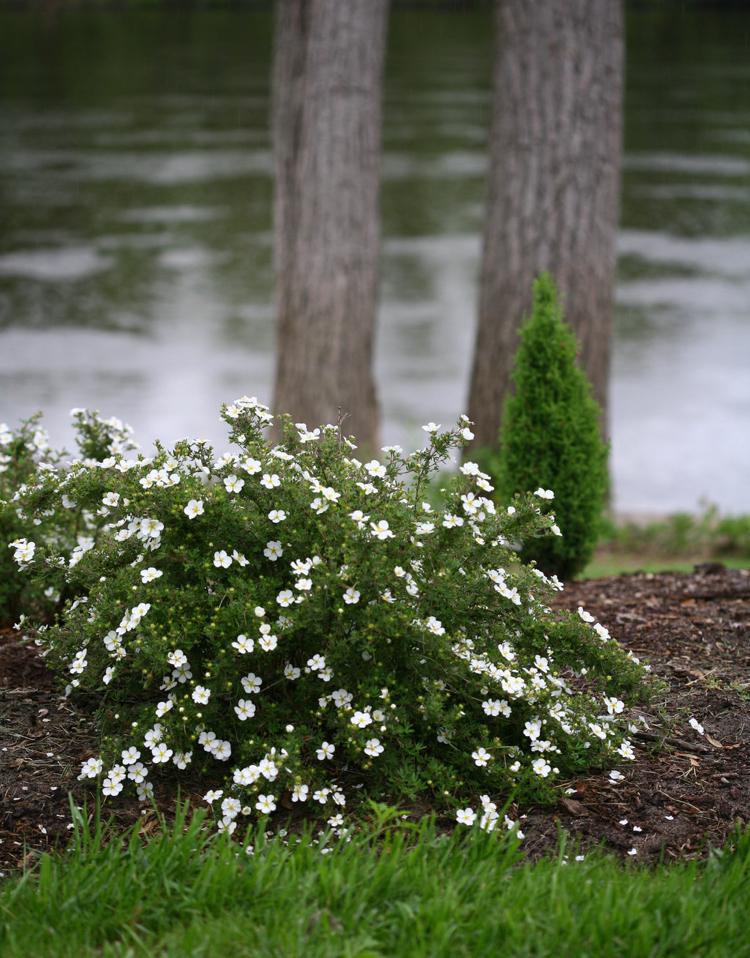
(684, 793)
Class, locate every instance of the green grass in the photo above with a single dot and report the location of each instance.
(604, 564)
(393, 891)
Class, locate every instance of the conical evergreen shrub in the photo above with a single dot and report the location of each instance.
(550, 437)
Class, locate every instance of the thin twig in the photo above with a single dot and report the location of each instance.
(669, 740)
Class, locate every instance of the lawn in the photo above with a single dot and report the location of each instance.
(390, 891)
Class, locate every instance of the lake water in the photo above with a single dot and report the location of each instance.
(136, 234)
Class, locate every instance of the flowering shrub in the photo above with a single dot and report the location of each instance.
(309, 625)
(25, 454)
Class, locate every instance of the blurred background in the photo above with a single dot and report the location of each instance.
(136, 260)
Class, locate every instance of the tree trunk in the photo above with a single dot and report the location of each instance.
(553, 186)
(326, 120)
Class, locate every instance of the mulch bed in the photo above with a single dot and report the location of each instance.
(683, 794)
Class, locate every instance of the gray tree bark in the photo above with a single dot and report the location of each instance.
(553, 186)
(326, 123)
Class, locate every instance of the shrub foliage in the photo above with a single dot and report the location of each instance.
(25, 453)
(308, 626)
(550, 437)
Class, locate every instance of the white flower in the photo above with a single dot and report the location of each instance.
(330, 494)
(243, 644)
(373, 747)
(251, 683)
(451, 522)
(221, 750)
(150, 528)
(273, 551)
(431, 427)
(697, 726)
(148, 575)
(130, 755)
(325, 751)
(154, 735)
(615, 777)
(466, 816)
(251, 465)
(361, 719)
(182, 759)
(321, 795)
(359, 517)
(305, 435)
(268, 642)
(299, 793)
(316, 662)
(626, 750)
(277, 515)
(201, 695)
(111, 788)
(270, 481)
(556, 530)
(471, 504)
(239, 558)
(285, 598)
(145, 792)
(614, 705)
(586, 616)
(246, 776)
(367, 488)
(481, 756)
(245, 709)
(233, 484)
(212, 795)
(380, 530)
(291, 672)
(375, 469)
(91, 768)
(319, 506)
(435, 626)
(541, 767)
(351, 596)
(222, 560)
(137, 773)
(266, 804)
(533, 729)
(425, 528)
(341, 697)
(467, 434)
(161, 753)
(304, 585)
(111, 499)
(544, 493)
(163, 707)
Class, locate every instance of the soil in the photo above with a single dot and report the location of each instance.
(684, 793)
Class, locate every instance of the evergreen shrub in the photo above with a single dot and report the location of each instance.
(550, 438)
(310, 628)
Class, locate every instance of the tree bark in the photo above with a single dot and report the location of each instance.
(326, 122)
(553, 186)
